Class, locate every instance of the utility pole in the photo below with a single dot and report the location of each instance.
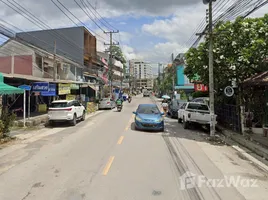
(211, 75)
(173, 74)
(111, 59)
(55, 64)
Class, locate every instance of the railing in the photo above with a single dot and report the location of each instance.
(228, 116)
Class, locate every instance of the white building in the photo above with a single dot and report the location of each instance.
(142, 72)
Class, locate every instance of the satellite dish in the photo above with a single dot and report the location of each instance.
(206, 1)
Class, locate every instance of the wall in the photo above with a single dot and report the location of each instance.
(22, 64)
(69, 41)
(5, 64)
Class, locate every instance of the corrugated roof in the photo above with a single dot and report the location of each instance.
(258, 79)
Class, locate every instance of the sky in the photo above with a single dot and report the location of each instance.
(149, 30)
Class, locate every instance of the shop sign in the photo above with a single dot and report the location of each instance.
(51, 91)
(25, 87)
(40, 87)
(64, 89)
(70, 97)
(74, 87)
(200, 88)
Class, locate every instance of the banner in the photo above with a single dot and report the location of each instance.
(70, 97)
(64, 89)
(74, 87)
(40, 87)
(51, 91)
(200, 88)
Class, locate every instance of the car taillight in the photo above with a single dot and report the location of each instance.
(108, 102)
(65, 109)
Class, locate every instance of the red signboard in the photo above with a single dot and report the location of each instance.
(200, 87)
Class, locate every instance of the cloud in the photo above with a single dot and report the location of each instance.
(161, 52)
(180, 27)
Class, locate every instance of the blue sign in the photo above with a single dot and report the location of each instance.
(40, 87)
(25, 87)
(51, 91)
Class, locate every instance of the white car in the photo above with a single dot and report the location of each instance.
(64, 110)
(193, 112)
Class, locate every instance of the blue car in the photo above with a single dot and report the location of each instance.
(149, 117)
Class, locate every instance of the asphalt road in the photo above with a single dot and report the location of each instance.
(104, 158)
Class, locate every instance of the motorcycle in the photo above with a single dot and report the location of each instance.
(119, 108)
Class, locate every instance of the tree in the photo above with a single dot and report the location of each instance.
(240, 48)
(117, 52)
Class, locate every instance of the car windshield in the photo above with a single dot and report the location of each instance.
(197, 106)
(59, 105)
(148, 110)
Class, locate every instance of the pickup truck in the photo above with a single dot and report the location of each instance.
(193, 112)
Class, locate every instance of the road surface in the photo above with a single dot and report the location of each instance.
(104, 158)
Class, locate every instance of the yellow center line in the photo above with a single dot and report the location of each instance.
(129, 123)
(108, 166)
(120, 140)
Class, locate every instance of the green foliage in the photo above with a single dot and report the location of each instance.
(6, 122)
(117, 52)
(240, 49)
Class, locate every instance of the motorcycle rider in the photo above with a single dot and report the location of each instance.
(119, 101)
(129, 98)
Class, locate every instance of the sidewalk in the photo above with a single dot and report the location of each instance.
(41, 126)
(255, 143)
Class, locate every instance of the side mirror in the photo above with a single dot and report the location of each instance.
(135, 113)
(162, 113)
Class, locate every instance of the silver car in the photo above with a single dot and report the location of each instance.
(106, 103)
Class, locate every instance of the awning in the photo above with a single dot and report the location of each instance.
(185, 87)
(8, 89)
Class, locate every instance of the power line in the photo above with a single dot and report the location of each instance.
(74, 17)
(100, 15)
(87, 13)
(29, 16)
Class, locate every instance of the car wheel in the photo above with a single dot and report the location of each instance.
(162, 129)
(185, 124)
(50, 123)
(179, 120)
(84, 116)
(74, 120)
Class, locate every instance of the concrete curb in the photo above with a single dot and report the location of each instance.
(249, 145)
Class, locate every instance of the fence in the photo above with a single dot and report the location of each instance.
(229, 117)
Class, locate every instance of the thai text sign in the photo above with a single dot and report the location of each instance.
(40, 87)
(64, 89)
(51, 91)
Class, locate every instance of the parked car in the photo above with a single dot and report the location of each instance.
(107, 103)
(174, 106)
(204, 100)
(64, 110)
(146, 93)
(149, 117)
(193, 112)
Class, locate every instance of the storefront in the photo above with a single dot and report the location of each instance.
(64, 89)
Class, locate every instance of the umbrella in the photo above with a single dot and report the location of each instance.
(166, 97)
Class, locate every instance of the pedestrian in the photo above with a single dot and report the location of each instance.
(165, 106)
